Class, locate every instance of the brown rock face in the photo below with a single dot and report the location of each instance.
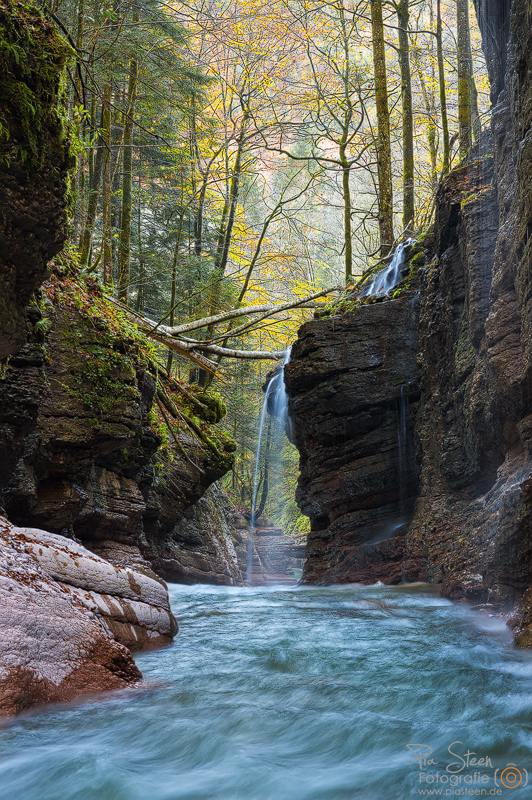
(34, 163)
(468, 528)
(54, 649)
(472, 523)
(354, 391)
(206, 545)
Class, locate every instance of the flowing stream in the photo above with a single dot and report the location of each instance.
(293, 694)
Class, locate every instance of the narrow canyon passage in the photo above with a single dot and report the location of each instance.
(293, 694)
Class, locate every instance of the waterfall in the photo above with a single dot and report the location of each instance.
(385, 280)
(276, 398)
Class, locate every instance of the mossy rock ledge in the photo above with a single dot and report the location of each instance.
(89, 449)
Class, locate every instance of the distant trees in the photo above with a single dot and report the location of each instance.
(218, 140)
(240, 155)
(237, 151)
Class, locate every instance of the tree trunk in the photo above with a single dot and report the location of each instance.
(106, 190)
(79, 46)
(464, 78)
(119, 101)
(475, 118)
(221, 232)
(124, 253)
(428, 102)
(346, 166)
(141, 292)
(198, 215)
(95, 174)
(173, 287)
(198, 222)
(233, 197)
(348, 239)
(408, 118)
(443, 98)
(383, 145)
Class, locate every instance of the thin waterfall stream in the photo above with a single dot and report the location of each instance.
(276, 398)
(386, 279)
(402, 447)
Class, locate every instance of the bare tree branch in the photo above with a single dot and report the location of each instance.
(189, 347)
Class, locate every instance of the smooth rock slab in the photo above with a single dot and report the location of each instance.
(53, 648)
(70, 562)
(67, 619)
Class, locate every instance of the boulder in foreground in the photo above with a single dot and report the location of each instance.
(69, 620)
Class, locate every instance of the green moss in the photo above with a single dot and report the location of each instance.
(32, 63)
(416, 261)
(105, 352)
(100, 385)
(215, 402)
(469, 199)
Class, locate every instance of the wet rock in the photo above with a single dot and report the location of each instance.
(128, 602)
(354, 390)
(68, 562)
(471, 529)
(204, 545)
(54, 647)
(81, 438)
(34, 163)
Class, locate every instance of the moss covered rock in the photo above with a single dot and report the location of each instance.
(97, 442)
(35, 159)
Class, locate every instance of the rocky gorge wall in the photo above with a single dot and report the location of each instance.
(96, 444)
(354, 389)
(101, 453)
(101, 446)
(469, 417)
(35, 159)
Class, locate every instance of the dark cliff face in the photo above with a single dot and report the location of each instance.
(354, 390)
(34, 162)
(81, 416)
(467, 529)
(86, 451)
(472, 524)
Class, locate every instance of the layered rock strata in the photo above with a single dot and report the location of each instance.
(83, 412)
(354, 391)
(472, 525)
(473, 528)
(207, 544)
(84, 416)
(69, 620)
(100, 446)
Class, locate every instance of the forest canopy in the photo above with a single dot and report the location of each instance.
(239, 160)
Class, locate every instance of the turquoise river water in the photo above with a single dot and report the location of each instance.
(296, 694)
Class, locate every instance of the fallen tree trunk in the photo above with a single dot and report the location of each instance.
(169, 336)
